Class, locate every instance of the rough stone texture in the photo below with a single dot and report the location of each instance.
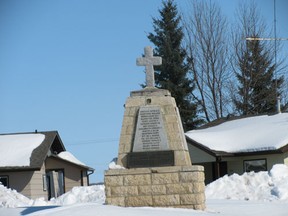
(143, 179)
(139, 201)
(114, 180)
(165, 178)
(167, 200)
(177, 186)
(171, 124)
(124, 191)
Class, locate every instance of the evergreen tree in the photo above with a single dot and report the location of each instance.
(172, 74)
(258, 90)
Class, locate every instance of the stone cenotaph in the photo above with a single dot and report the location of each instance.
(153, 152)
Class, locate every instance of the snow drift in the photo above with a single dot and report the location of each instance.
(261, 186)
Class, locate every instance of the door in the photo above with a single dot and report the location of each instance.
(55, 183)
(219, 169)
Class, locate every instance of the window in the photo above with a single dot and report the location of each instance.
(4, 180)
(255, 165)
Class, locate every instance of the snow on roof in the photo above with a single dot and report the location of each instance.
(70, 157)
(245, 135)
(16, 150)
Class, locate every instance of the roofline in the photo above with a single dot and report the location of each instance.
(234, 154)
(39, 154)
(32, 132)
(70, 162)
(17, 169)
(206, 149)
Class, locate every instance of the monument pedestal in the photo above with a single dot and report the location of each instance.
(157, 184)
(177, 186)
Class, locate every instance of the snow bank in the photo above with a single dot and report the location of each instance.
(245, 135)
(10, 198)
(77, 195)
(89, 194)
(261, 186)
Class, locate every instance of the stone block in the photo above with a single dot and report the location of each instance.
(171, 135)
(192, 199)
(152, 190)
(113, 180)
(166, 200)
(184, 188)
(165, 101)
(182, 158)
(128, 120)
(122, 159)
(127, 130)
(171, 119)
(139, 201)
(124, 191)
(145, 190)
(191, 177)
(192, 168)
(169, 110)
(125, 144)
(130, 111)
(117, 201)
(169, 169)
(165, 178)
(107, 191)
(135, 101)
(158, 189)
(198, 187)
(137, 179)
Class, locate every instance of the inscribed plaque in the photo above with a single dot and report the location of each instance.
(150, 132)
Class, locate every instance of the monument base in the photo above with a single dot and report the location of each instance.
(174, 186)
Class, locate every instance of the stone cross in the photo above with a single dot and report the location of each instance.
(149, 61)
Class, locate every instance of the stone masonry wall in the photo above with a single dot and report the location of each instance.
(172, 125)
(178, 186)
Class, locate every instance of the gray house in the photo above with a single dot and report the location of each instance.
(240, 145)
(38, 165)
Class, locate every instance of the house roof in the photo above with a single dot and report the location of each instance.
(28, 151)
(244, 136)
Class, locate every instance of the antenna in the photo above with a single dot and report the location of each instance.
(275, 39)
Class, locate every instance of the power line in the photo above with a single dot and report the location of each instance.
(91, 142)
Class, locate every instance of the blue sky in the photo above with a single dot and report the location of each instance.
(69, 65)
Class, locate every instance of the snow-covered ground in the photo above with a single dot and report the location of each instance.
(263, 193)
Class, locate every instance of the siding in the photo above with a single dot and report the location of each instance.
(199, 156)
(235, 164)
(72, 173)
(28, 183)
(19, 181)
(36, 184)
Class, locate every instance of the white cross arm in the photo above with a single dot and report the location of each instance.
(149, 61)
(145, 61)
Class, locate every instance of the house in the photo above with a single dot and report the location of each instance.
(240, 145)
(38, 165)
